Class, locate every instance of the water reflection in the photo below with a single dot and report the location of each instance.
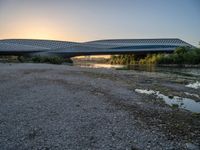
(185, 103)
(174, 70)
(96, 65)
(149, 68)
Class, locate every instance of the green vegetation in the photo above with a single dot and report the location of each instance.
(22, 59)
(35, 59)
(182, 55)
(150, 59)
(123, 59)
(51, 59)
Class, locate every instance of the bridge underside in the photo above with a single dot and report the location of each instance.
(85, 53)
(25, 47)
(71, 54)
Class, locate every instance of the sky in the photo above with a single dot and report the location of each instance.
(85, 20)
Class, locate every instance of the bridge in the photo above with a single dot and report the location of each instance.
(30, 47)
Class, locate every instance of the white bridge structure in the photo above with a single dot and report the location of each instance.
(31, 47)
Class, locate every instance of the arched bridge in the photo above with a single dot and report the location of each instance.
(99, 47)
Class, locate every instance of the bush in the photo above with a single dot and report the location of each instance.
(181, 50)
(21, 59)
(182, 55)
(150, 59)
(123, 59)
(51, 59)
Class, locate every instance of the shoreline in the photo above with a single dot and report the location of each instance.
(106, 61)
(177, 65)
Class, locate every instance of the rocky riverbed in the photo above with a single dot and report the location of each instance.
(45, 106)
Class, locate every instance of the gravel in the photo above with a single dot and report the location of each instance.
(45, 106)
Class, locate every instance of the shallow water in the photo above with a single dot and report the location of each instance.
(96, 65)
(176, 70)
(149, 68)
(184, 103)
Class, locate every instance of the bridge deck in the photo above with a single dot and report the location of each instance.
(101, 47)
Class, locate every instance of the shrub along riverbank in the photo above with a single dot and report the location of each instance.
(181, 56)
(36, 59)
(51, 59)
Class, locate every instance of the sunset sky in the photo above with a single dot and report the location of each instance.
(84, 20)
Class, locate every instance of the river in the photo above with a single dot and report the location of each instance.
(190, 71)
(181, 102)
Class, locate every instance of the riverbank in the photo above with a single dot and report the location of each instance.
(178, 65)
(182, 56)
(45, 106)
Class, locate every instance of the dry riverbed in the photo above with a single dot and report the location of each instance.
(45, 106)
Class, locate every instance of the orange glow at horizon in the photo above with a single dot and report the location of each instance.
(39, 29)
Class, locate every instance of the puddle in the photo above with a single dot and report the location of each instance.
(185, 103)
(149, 92)
(195, 85)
